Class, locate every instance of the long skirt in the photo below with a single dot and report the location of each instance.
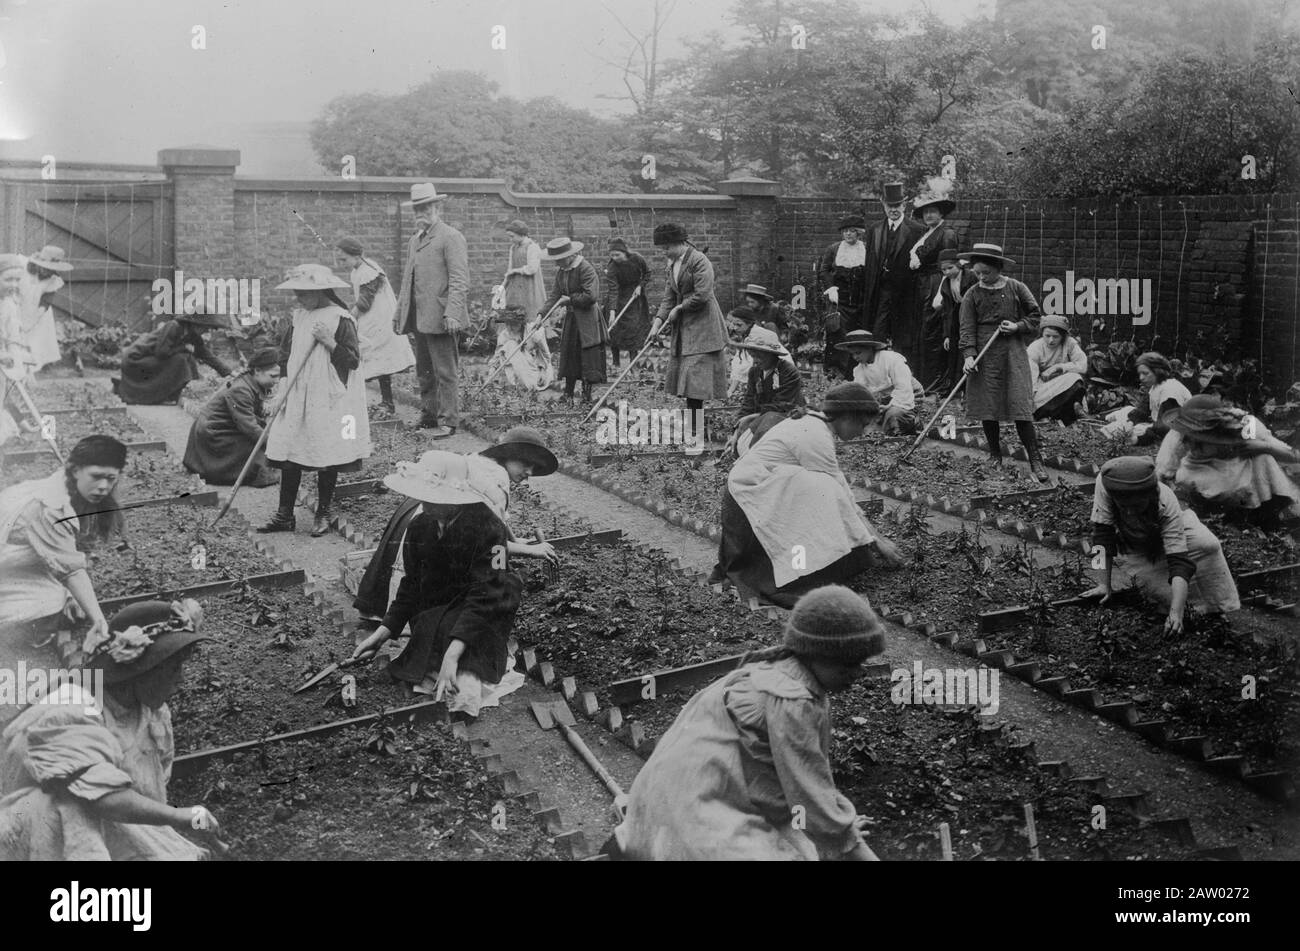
(1211, 589)
(1241, 483)
(1055, 398)
(576, 361)
(151, 380)
(742, 559)
(697, 376)
(219, 456)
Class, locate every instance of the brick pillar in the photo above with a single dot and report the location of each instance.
(203, 189)
(754, 235)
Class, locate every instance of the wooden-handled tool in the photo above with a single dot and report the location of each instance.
(317, 678)
(557, 714)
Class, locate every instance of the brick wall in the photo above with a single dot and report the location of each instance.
(1186, 246)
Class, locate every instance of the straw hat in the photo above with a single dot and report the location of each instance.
(988, 253)
(762, 340)
(448, 478)
(857, 339)
(756, 290)
(527, 444)
(558, 248)
(423, 194)
(51, 258)
(1207, 419)
(144, 636)
(312, 277)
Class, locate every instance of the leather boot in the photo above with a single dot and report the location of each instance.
(281, 521)
(321, 525)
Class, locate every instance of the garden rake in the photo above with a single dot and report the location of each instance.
(635, 294)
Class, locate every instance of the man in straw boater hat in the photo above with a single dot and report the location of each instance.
(157, 365)
(324, 425)
(231, 423)
(891, 286)
(383, 352)
(843, 275)
(84, 777)
(775, 384)
(457, 591)
(1000, 312)
(887, 376)
(433, 306)
(789, 519)
(690, 311)
(726, 778)
(583, 335)
(43, 282)
(932, 207)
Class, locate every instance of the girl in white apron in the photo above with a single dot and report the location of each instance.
(383, 352)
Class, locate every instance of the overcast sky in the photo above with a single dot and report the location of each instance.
(117, 80)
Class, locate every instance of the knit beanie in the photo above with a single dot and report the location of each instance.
(1128, 474)
(834, 624)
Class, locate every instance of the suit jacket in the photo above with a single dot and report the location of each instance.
(889, 261)
(437, 267)
(699, 325)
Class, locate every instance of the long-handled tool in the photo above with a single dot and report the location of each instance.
(944, 405)
(35, 413)
(635, 294)
(317, 678)
(557, 714)
(606, 395)
(266, 430)
(519, 349)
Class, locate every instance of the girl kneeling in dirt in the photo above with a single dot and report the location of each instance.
(1166, 551)
(750, 754)
(1214, 459)
(230, 426)
(80, 783)
(457, 592)
(789, 520)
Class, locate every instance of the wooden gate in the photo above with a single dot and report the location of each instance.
(117, 234)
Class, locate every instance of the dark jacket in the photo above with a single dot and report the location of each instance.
(157, 365)
(780, 392)
(581, 285)
(226, 431)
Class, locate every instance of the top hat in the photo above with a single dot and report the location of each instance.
(756, 290)
(558, 248)
(448, 478)
(423, 194)
(527, 444)
(988, 253)
(50, 258)
(893, 194)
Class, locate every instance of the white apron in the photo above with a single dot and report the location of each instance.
(790, 487)
(529, 368)
(383, 352)
(324, 422)
(39, 331)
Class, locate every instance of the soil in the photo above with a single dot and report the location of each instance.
(339, 799)
(1087, 444)
(52, 392)
(70, 427)
(937, 471)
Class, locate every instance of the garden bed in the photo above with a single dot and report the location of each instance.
(339, 799)
(71, 427)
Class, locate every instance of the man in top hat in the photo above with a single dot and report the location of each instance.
(885, 373)
(690, 311)
(931, 207)
(433, 306)
(43, 281)
(842, 271)
(157, 365)
(891, 286)
(774, 384)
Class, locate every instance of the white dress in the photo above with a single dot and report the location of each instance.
(39, 331)
(1117, 421)
(383, 352)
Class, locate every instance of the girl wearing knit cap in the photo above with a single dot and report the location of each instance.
(1142, 423)
(1166, 551)
(231, 423)
(789, 520)
(43, 577)
(752, 751)
(1214, 459)
(1057, 364)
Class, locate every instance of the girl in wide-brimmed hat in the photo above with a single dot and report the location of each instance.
(231, 423)
(787, 497)
(324, 425)
(749, 750)
(1156, 544)
(885, 373)
(583, 334)
(457, 591)
(1143, 424)
(84, 778)
(157, 366)
(383, 352)
(774, 384)
(44, 280)
(1214, 459)
(1000, 388)
(1057, 364)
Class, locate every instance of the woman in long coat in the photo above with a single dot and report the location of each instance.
(932, 208)
(789, 520)
(230, 425)
(85, 783)
(690, 311)
(324, 424)
(1000, 388)
(157, 365)
(584, 335)
(383, 352)
(843, 273)
(627, 274)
